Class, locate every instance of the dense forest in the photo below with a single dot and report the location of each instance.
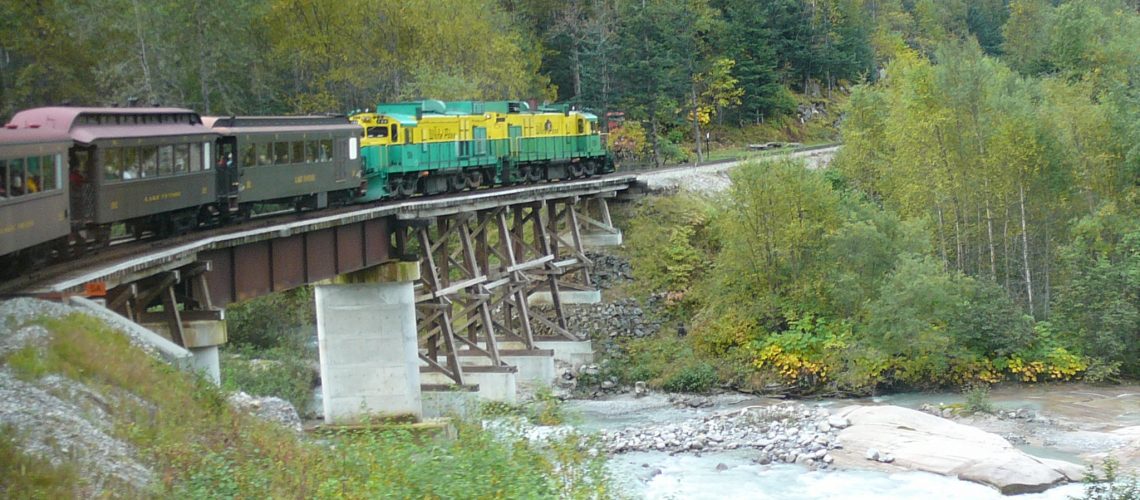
(672, 66)
(981, 222)
(982, 219)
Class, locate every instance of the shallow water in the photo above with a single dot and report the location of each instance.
(657, 475)
(693, 478)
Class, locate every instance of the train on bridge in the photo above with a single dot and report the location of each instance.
(72, 177)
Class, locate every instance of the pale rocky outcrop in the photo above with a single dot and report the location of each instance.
(923, 442)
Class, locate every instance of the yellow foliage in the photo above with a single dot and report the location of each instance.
(1058, 364)
(791, 366)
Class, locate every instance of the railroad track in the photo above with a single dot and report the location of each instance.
(126, 248)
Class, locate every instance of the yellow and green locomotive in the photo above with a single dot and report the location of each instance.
(434, 146)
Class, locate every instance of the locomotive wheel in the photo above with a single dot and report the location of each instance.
(576, 170)
(395, 187)
(408, 186)
(591, 168)
(534, 173)
(475, 178)
(456, 183)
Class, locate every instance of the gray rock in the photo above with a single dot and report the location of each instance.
(886, 458)
(872, 454)
(838, 422)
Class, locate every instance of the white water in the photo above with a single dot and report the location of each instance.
(693, 478)
(657, 475)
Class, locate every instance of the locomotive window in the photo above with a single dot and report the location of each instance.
(310, 151)
(407, 136)
(352, 145)
(149, 160)
(298, 152)
(581, 126)
(380, 132)
(248, 158)
(130, 163)
(181, 158)
(395, 135)
(112, 164)
(206, 155)
(165, 160)
(196, 163)
(326, 151)
(280, 153)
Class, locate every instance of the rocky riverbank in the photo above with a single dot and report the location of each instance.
(769, 433)
(784, 433)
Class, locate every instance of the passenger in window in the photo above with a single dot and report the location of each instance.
(32, 186)
(17, 184)
(76, 177)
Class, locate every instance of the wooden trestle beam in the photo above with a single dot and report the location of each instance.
(479, 270)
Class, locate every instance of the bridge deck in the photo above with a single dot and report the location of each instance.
(173, 255)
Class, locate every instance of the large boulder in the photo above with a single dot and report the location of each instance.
(919, 441)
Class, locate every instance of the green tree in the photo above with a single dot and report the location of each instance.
(772, 232)
(1098, 306)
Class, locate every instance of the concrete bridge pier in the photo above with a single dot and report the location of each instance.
(366, 329)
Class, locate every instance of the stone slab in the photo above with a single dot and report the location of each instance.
(567, 296)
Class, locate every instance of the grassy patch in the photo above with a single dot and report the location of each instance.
(201, 448)
(545, 409)
(25, 476)
(277, 372)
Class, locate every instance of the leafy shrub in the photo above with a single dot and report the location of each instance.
(694, 377)
(628, 142)
(1110, 486)
(807, 352)
(282, 319)
(978, 399)
(276, 372)
(671, 245)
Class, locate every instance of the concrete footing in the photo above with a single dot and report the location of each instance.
(567, 297)
(574, 352)
(207, 363)
(367, 342)
(495, 383)
(201, 338)
(535, 367)
(602, 239)
(449, 400)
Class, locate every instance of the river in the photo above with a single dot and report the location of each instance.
(1075, 422)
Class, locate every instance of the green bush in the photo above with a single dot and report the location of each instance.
(274, 372)
(1110, 486)
(978, 400)
(695, 377)
(283, 319)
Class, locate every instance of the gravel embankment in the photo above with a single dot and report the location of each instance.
(711, 179)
